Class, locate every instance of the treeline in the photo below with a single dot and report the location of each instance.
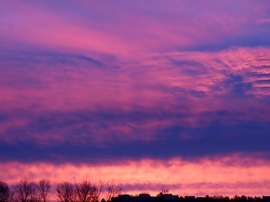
(165, 197)
(83, 191)
(220, 198)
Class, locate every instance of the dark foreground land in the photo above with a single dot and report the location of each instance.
(174, 198)
(85, 191)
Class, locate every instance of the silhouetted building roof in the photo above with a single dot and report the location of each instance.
(190, 198)
(266, 198)
(175, 198)
(170, 197)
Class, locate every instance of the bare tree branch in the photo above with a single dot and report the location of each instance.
(86, 191)
(26, 191)
(65, 192)
(44, 189)
(5, 193)
(112, 190)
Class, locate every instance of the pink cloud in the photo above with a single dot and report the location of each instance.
(210, 176)
(157, 83)
(130, 31)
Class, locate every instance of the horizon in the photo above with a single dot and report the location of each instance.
(147, 94)
(115, 192)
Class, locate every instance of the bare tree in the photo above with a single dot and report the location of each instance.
(26, 191)
(44, 189)
(112, 190)
(5, 193)
(65, 192)
(99, 191)
(86, 191)
(165, 191)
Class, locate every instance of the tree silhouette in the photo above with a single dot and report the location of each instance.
(26, 191)
(112, 190)
(44, 189)
(86, 192)
(5, 193)
(65, 192)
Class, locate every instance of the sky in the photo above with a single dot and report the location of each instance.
(149, 95)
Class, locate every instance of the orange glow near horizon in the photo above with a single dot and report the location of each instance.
(225, 176)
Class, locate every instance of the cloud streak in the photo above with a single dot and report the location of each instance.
(228, 175)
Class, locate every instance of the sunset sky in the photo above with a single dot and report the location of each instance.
(147, 94)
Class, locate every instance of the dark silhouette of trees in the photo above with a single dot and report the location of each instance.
(85, 191)
(112, 190)
(26, 191)
(43, 189)
(5, 193)
(65, 192)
